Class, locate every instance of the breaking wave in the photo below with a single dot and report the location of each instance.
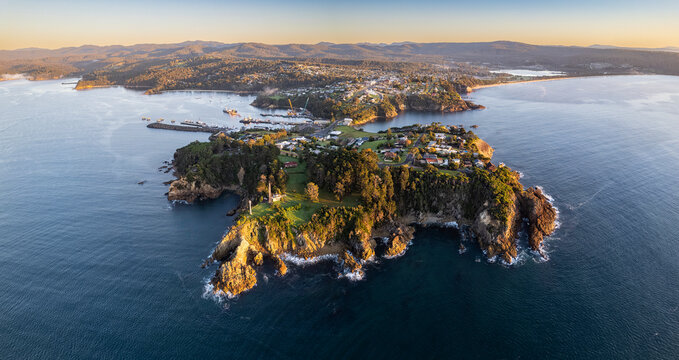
(219, 296)
(300, 261)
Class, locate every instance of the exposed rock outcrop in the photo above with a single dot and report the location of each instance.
(495, 237)
(484, 149)
(541, 216)
(398, 240)
(349, 262)
(280, 265)
(181, 189)
(250, 241)
(236, 274)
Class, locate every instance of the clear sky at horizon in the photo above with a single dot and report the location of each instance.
(54, 24)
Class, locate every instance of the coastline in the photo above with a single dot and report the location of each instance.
(525, 81)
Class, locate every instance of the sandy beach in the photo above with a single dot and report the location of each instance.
(524, 81)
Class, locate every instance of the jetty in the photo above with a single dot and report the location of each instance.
(191, 128)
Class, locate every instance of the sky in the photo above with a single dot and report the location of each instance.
(54, 24)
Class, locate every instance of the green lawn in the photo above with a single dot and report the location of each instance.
(349, 132)
(372, 145)
(297, 181)
(296, 178)
(307, 207)
(284, 158)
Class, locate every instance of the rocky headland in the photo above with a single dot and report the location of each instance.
(489, 204)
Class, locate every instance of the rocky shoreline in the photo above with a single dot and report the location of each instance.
(373, 210)
(250, 243)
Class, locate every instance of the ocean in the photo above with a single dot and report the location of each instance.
(95, 265)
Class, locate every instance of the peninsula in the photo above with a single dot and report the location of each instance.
(325, 89)
(354, 195)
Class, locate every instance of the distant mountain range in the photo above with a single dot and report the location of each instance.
(667, 48)
(597, 59)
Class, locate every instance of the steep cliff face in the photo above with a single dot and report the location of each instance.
(498, 236)
(237, 273)
(541, 216)
(250, 242)
(491, 205)
(181, 189)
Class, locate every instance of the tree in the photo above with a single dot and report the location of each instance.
(311, 191)
(241, 175)
(339, 191)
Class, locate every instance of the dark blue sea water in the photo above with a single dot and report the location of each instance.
(93, 265)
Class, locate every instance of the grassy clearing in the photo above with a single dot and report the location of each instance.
(349, 132)
(284, 158)
(307, 207)
(372, 145)
(297, 181)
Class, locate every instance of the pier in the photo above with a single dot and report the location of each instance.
(191, 128)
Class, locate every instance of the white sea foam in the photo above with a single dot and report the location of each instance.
(451, 224)
(397, 255)
(182, 202)
(353, 275)
(300, 261)
(218, 296)
(549, 197)
(557, 223)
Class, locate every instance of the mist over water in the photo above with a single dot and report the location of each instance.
(94, 265)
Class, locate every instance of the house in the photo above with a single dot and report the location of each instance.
(440, 136)
(389, 155)
(290, 164)
(283, 144)
(335, 133)
(479, 163)
(347, 121)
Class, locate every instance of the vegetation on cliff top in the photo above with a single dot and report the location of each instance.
(225, 162)
(337, 198)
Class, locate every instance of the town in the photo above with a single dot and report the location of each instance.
(449, 149)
